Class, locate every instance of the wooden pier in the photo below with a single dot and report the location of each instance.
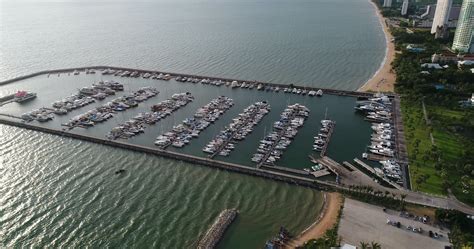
(328, 138)
(365, 166)
(216, 231)
(320, 173)
(372, 170)
(377, 158)
(10, 116)
(333, 166)
(349, 166)
(280, 134)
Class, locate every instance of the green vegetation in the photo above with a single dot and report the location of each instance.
(423, 173)
(371, 245)
(440, 146)
(381, 198)
(462, 228)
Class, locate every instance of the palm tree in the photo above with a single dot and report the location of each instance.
(402, 200)
(370, 189)
(364, 245)
(375, 245)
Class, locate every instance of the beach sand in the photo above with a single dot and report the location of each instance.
(384, 79)
(326, 220)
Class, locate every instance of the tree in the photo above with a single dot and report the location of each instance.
(402, 201)
(364, 245)
(375, 245)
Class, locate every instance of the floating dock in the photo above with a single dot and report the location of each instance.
(370, 169)
(328, 138)
(216, 231)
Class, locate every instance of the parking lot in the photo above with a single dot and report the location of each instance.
(364, 222)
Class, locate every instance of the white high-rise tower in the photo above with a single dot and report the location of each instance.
(443, 8)
(387, 3)
(463, 38)
(404, 7)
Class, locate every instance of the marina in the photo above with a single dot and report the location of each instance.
(378, 111)
(159, 111)
(288, 141)
(321, 141)
(102, 113)
(236, 131)
(190, 128)
(272, 146)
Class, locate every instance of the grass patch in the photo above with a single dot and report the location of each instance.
(433, 169)
(423, 175)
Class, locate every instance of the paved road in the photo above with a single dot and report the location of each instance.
(364, 222)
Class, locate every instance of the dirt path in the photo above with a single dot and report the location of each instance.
(325, 221)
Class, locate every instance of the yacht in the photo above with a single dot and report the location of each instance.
(23, 96)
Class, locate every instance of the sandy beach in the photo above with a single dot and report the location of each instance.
(384, 79)
(325, 221)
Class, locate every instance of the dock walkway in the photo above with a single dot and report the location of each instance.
(10, 116)
(328, 138)
(401, 151)
(367, 167)
(281, 132)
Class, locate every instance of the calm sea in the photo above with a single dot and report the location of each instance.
(62, 192)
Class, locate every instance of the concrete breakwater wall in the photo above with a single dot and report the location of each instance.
(278, 176)
(68, 70)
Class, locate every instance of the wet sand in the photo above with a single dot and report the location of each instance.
(384, 79)
(325, 221)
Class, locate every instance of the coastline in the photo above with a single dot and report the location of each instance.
(384, 79)
(325, 221)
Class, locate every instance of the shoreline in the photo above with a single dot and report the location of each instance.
(383, 79)
(326, 220)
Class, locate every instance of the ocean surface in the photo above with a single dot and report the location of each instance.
(328, 43)
(59, 192)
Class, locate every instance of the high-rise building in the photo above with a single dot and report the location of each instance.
(387, 3)
(443, 8)
(463, 38)
(404, 7)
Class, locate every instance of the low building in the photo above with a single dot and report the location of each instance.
(465, 63)
(446, 57)
(431, 66)
(414, 48)
(468, 102)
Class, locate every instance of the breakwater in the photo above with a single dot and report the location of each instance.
(216, 231)
(174, 75)
(278, 176)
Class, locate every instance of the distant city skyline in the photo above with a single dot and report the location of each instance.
(463, 38)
